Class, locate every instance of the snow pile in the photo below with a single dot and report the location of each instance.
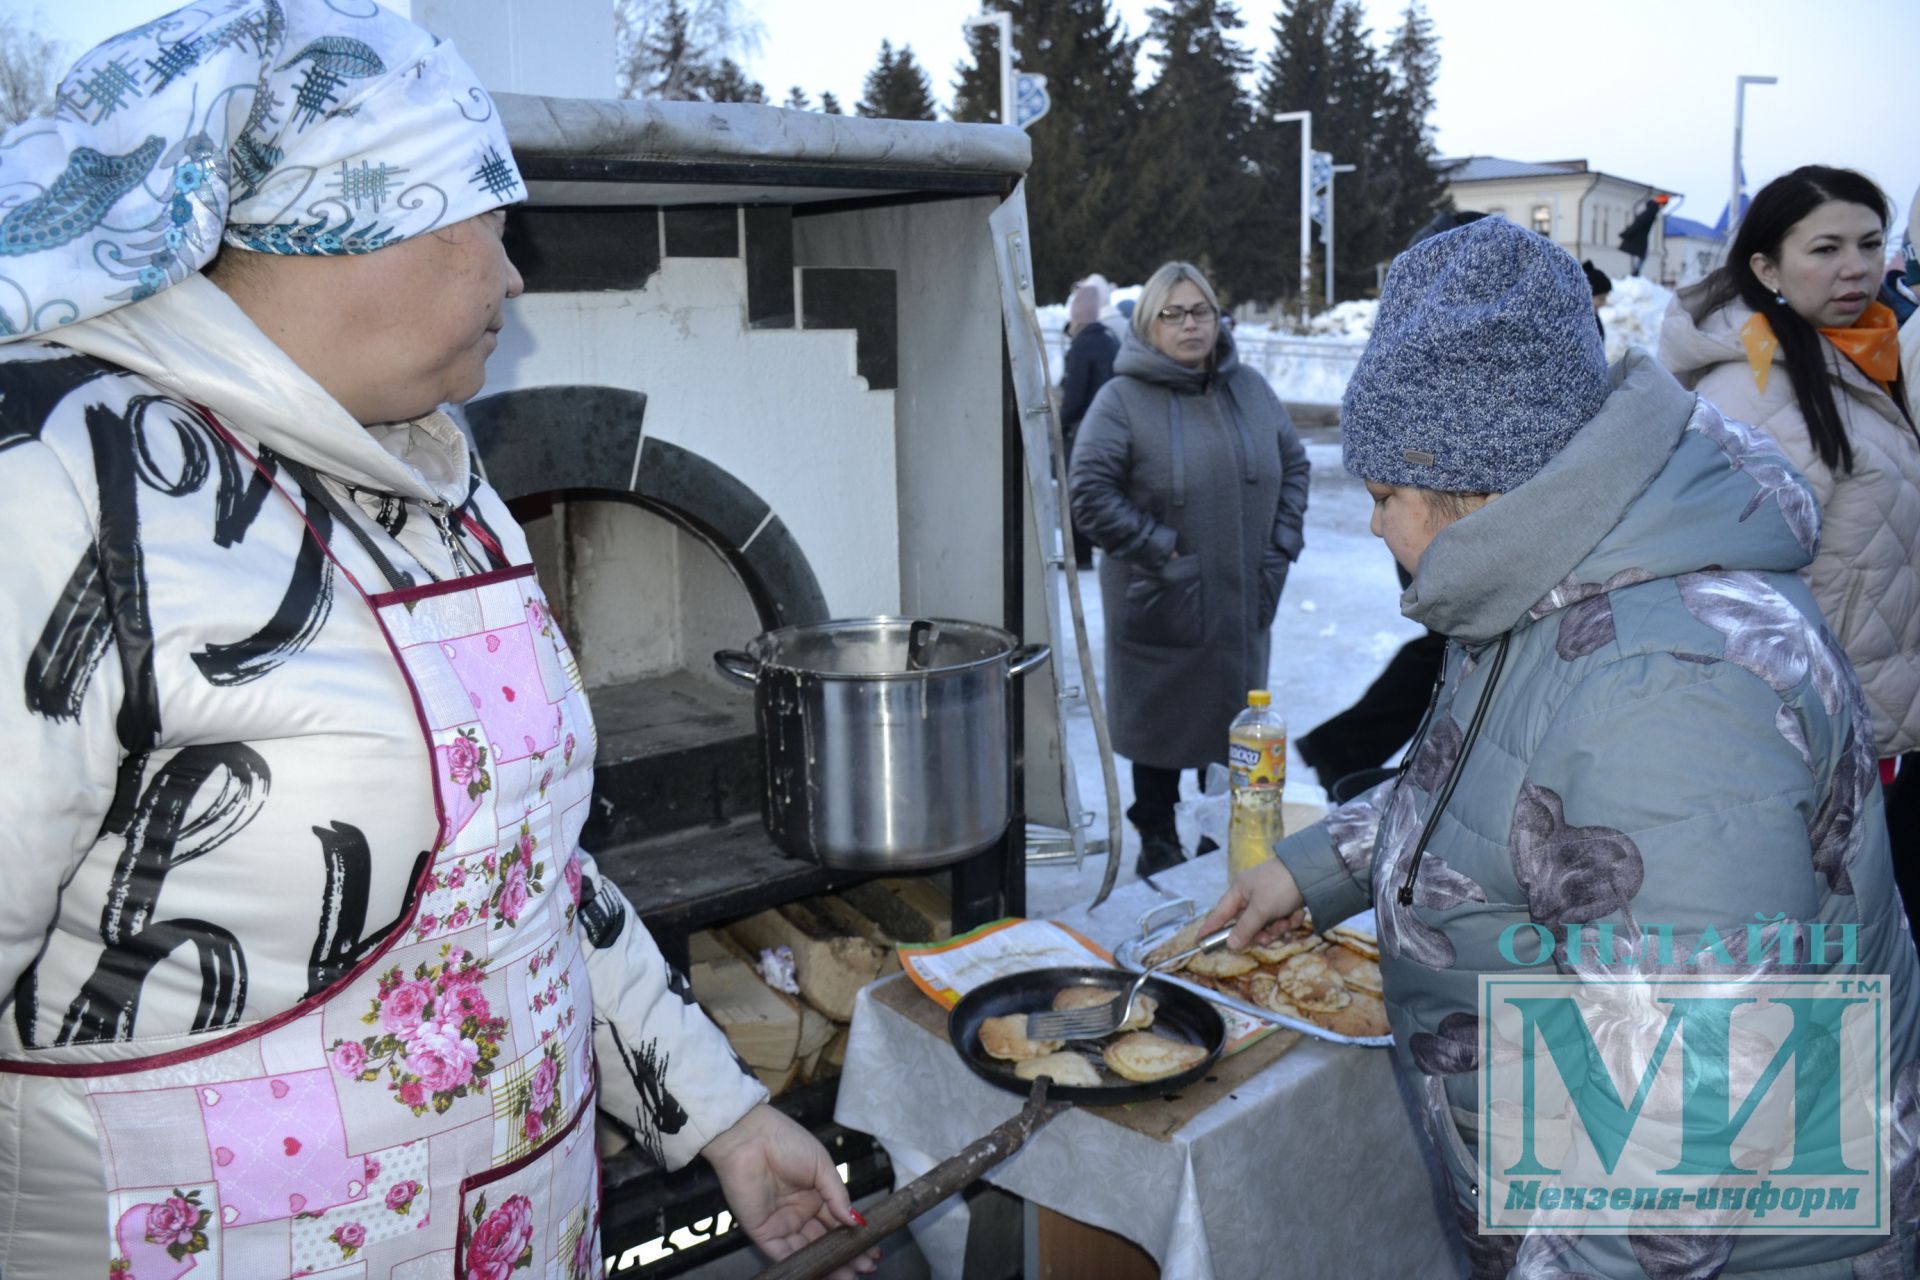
(1632, 315)
(1350, 320)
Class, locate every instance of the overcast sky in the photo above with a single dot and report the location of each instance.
(1639, 88)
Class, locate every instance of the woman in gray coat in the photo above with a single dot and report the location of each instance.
(1190, 477)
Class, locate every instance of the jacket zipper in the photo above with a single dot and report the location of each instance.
(465, 564)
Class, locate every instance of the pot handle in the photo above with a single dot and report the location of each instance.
(741, 668)
(1027, 657)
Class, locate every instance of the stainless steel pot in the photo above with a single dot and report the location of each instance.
(885, 740)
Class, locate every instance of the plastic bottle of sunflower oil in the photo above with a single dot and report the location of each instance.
(1257, 768)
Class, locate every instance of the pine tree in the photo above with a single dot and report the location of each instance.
(1080, 205)
(1356, 102)
(1296, 78)
(896, 88)
(728, 83)
(1191, 188)
(1411, 184)
(1369, 111)
(797, 100)
(830, 105)
(680, 49)
(672, 56)
(976, 94)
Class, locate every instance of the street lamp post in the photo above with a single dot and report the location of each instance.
(1327, 230)
(1004, 21)
(1305, 119)
(1740, 84)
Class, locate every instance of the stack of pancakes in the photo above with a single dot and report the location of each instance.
(1331, 981)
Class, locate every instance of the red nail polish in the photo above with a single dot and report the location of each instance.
(857, 1217)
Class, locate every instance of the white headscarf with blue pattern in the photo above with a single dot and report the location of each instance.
(313, 127)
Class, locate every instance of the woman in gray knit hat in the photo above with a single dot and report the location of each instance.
(1188, 474)
(1645, 740)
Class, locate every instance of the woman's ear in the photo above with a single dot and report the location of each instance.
(1764, 271)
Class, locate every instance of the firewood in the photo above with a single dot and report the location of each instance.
(829, 964)
(762, 1025)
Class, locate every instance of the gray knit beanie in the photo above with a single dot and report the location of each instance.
(1483, 363)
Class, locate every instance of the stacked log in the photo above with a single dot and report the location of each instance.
(839, 944)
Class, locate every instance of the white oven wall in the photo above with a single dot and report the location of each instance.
(780, 409)
(949, 433)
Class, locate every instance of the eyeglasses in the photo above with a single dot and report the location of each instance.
(1201, 312)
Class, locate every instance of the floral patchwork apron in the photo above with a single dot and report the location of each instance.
(430, 1114)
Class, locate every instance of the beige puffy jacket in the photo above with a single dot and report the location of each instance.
(1866, 576)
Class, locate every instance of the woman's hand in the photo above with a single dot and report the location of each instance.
(1261, 903)
(782, 1187)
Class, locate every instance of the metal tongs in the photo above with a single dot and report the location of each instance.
(1100, 1020)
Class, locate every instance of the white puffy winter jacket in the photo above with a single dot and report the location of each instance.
(117, 501)
(1866, 575)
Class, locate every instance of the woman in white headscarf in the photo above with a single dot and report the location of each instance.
(307, 967)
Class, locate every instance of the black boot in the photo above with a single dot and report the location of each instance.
(1159, 850)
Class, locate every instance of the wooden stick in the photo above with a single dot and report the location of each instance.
(837, 1248)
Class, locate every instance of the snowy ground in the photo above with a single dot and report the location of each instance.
(1339, 622)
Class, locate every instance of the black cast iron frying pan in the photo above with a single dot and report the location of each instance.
(1181, 1016)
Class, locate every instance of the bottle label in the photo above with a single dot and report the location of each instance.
(1257, 764)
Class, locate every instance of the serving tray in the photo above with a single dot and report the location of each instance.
(1130, 955)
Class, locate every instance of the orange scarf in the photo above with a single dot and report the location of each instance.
(1872, 342)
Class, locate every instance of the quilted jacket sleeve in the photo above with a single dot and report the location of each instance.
(1332, 860)
(1102, 464)
(666, 1071)
(60, 686)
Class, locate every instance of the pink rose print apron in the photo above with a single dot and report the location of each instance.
(429, 1115)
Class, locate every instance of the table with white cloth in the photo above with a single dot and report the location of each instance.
(1307, 1167)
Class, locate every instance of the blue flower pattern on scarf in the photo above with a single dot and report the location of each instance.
(242, 121)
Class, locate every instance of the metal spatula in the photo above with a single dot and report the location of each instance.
(1100, 1020)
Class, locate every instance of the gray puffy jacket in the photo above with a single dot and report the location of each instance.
(1669, 736)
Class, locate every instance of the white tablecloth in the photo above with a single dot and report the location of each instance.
(1309, 1169)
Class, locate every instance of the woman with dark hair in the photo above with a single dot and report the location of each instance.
(1189, 475)
(1796, 297)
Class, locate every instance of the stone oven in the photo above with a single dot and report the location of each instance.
(758, 377)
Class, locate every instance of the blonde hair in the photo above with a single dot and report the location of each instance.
(1153, 295)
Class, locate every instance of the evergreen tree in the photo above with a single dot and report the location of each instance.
(1356, 102)
(830, 105)
(1411, 185)
(896, 88)
(1368, 111)
(1080, 203)
(728, 83)
(1191, 188)
(976, 94)
(1296, 78)
(797, 100)
(679, 49)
